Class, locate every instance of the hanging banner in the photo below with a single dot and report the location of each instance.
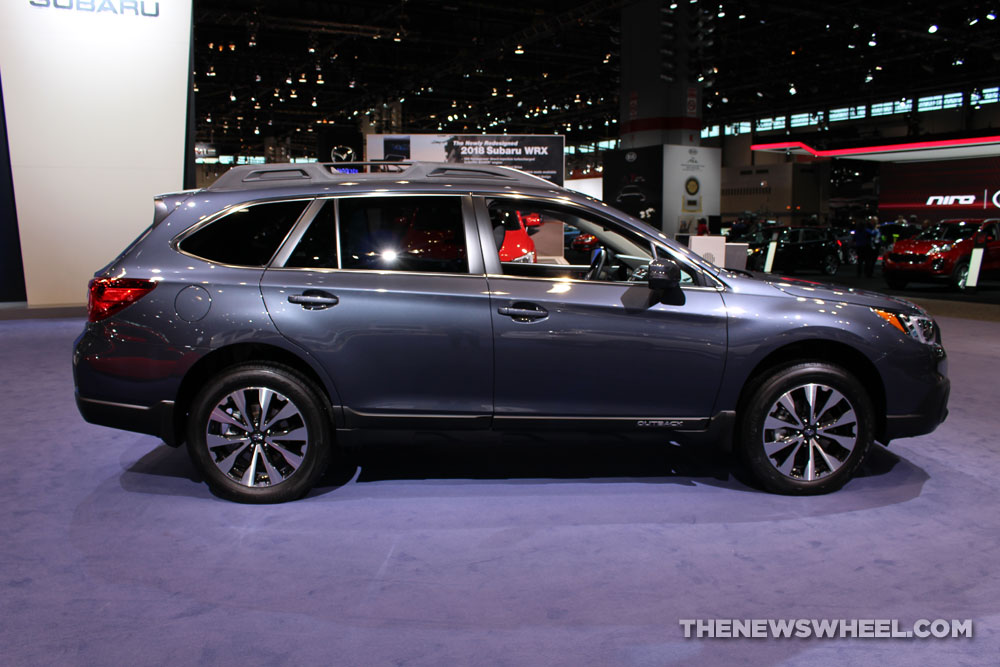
(542, 155)
(633, 182)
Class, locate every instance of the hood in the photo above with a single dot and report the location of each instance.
(915, 247)
(808, 289)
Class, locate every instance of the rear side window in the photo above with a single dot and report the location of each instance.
(246, 237)
(403, 234)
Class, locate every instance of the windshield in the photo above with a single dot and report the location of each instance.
(953, 231)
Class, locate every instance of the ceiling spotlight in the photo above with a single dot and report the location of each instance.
(314, 102)
(991, 16)
(232, 96)
(973, 21)
(791, 89)
(932, 29)
(519, 50)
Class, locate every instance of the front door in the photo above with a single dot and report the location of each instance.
(587, 342)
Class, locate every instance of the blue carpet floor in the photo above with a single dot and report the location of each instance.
(509, 552)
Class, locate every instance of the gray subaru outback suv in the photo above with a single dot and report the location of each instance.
(269, 318)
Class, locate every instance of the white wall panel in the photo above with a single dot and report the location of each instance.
(96, 102)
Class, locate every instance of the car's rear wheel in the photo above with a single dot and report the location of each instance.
(805, 428)
(830, 264)
(259, 434)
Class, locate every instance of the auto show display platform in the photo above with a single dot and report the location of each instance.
(502, 551)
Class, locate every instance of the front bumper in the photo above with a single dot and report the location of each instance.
(932, 412)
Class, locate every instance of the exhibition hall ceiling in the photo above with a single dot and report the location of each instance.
(291, 69)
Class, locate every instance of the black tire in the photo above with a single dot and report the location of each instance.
(291, 436)
(830, 454)
(895, 282)
(830, 264)
(960, 275)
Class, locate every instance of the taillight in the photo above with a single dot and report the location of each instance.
(109, 295)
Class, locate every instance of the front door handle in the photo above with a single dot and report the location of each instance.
(314, 299)
(524, 312)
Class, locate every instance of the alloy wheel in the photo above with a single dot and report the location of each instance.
(810, 432)
(256, 436)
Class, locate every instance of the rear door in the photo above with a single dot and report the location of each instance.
(384, 292)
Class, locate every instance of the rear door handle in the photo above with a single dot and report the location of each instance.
(524, 313)
(314, 300)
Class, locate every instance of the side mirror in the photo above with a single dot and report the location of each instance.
(982, 238)
(664, 274)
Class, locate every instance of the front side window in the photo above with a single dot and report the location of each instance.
(424, 233)
(569, 241)
(248, 236)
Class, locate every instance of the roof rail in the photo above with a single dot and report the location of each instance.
(246, 177)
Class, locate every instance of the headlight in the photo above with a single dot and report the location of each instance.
(918, 327)
(527, 257)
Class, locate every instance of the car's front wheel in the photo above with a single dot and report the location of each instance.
(960, 276)
(259, 433)
(805, 428)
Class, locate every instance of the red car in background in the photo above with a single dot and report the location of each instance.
(942, 252)
(517, 245)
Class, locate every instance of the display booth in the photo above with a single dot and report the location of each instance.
(95, 102)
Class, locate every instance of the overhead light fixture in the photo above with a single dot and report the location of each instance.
(519, 50)
(932, 29)
(791, 89)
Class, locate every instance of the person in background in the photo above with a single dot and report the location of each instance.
(873, 245)
(862, 245)
(702, 227)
